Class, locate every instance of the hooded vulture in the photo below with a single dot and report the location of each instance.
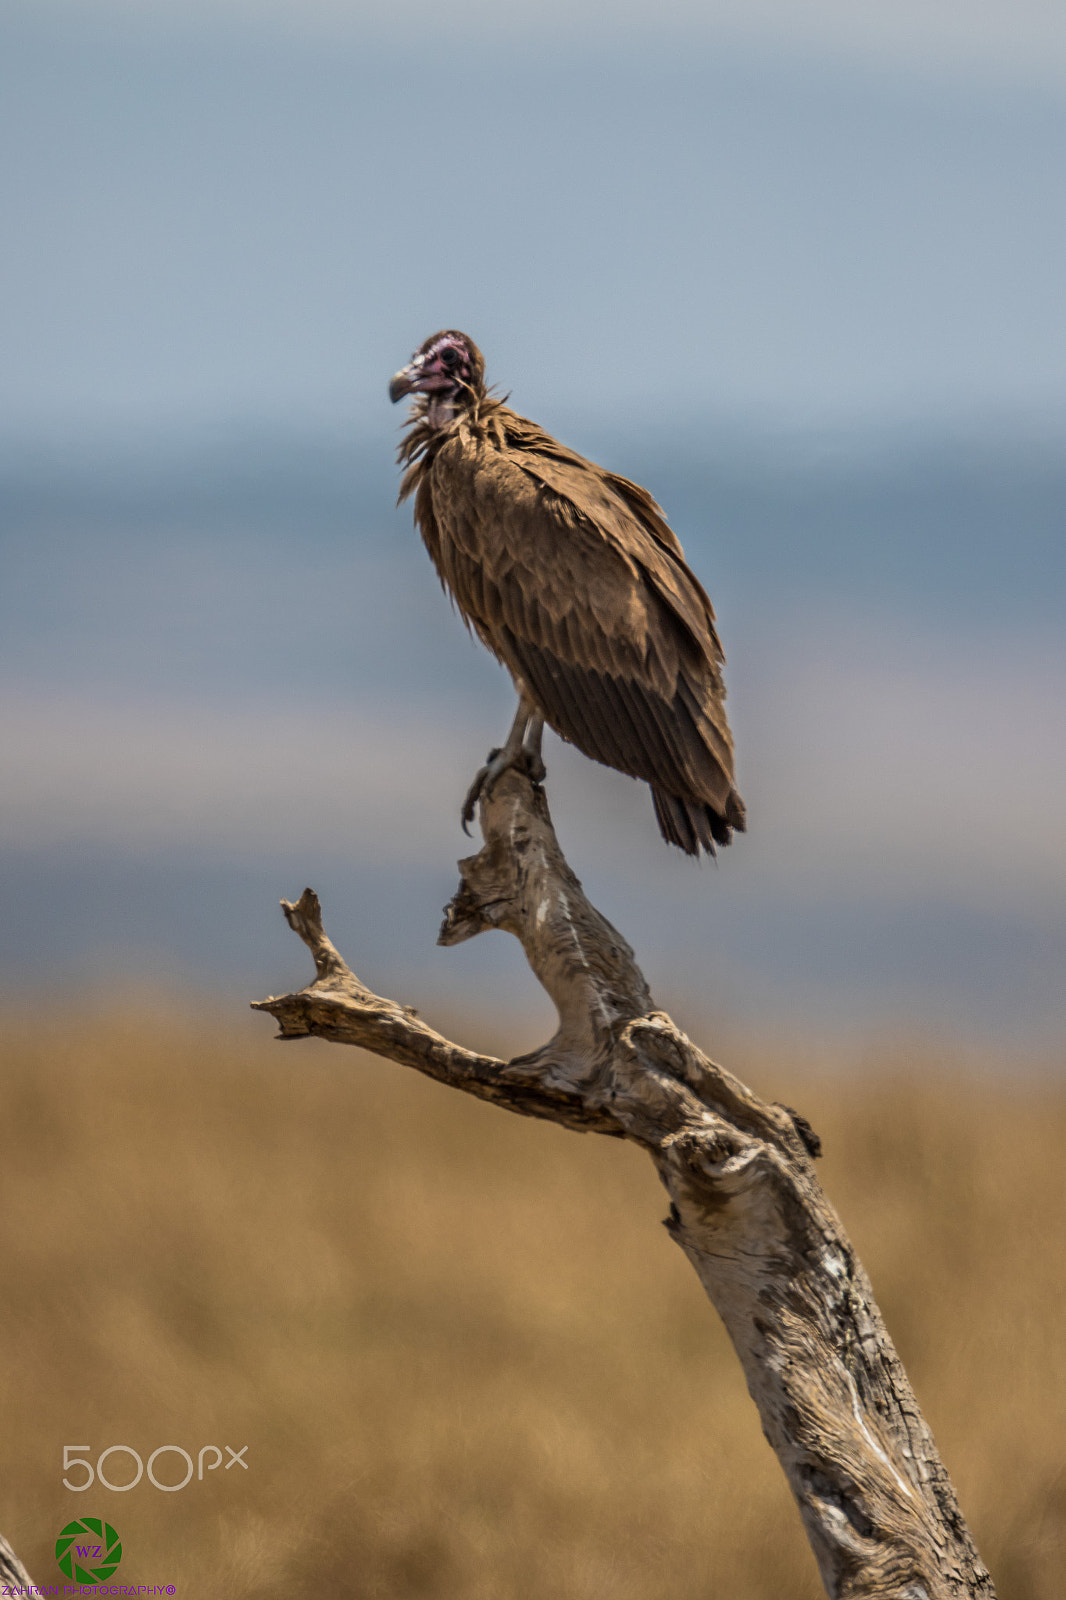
(572, 578)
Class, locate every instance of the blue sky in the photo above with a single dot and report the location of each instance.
(254, 210)
(798, 268)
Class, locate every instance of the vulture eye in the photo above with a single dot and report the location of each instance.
(449, 358)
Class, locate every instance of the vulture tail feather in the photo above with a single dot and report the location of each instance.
(690, 824)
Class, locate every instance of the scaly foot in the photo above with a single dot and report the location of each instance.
(523, 760)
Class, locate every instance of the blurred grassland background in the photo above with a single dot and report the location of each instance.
(467, 1360)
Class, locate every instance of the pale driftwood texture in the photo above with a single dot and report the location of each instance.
(746, 1206)
(14, 1579)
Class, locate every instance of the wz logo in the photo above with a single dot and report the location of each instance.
(88, 1551)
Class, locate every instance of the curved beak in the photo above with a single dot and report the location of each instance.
(405, 381)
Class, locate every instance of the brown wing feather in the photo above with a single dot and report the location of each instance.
(573, 579)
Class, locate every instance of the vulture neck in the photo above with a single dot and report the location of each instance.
(433, 420)
(442, 410)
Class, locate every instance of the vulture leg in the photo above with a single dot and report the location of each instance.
(531, 748)
(521, 750)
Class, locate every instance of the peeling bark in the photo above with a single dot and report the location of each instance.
(745, 1204)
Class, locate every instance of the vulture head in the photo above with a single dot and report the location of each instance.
(448, 370)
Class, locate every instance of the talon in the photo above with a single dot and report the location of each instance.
(473, 795)
(499, 761)
(523, 756)
(535, 767)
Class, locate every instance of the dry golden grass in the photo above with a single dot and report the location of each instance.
(466, 1359)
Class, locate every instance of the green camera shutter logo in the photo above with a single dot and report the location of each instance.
(88, 1551)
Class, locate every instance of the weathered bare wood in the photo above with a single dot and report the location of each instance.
(746, 1207)
(14, 1579)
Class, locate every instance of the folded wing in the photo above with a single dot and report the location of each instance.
(572, 577)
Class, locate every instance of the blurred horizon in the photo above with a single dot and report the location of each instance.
(798, 273)
(230, 671)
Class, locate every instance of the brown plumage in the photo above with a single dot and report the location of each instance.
(570, 575)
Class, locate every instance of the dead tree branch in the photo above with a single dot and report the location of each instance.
(14, 1579)
(746, 1207)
